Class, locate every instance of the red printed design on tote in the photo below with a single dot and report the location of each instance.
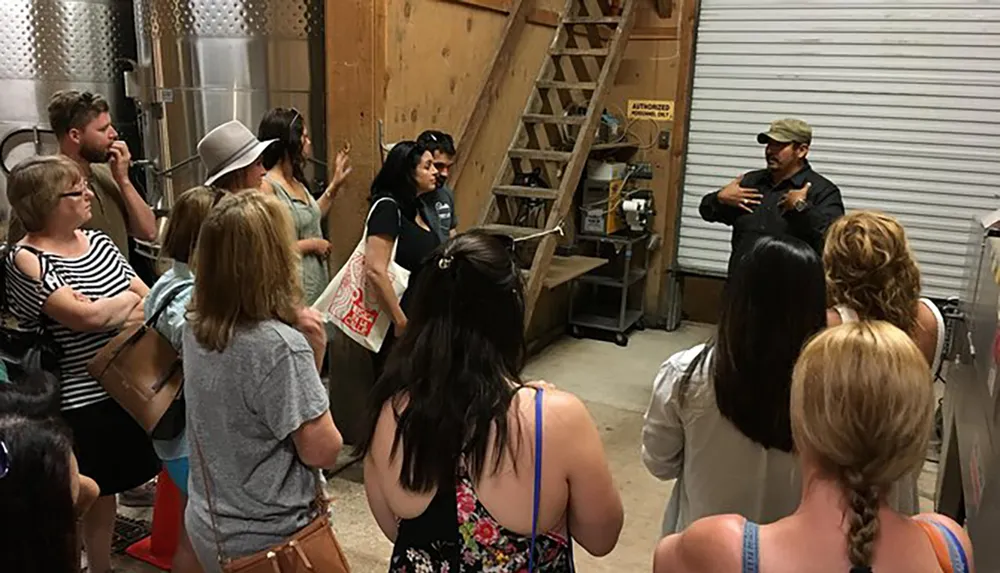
(352, 304)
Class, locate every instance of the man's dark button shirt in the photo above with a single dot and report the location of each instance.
(824, 207)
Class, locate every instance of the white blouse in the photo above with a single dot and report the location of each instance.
(718, 469)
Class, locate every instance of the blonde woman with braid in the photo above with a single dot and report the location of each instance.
(861, 412)
(871, 275)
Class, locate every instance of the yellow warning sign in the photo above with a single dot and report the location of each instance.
(659, 110)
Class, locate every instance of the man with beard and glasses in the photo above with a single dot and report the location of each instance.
(82, 123)
(787, 198)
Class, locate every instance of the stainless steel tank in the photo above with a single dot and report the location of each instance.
(205, 62)
(49, 45)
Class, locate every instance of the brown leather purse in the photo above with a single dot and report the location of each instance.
(312, 549)
(141, 370)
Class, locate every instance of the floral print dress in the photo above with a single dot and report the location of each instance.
(456, 534)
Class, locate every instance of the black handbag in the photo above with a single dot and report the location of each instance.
(28, 353)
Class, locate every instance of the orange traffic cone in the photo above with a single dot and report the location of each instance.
(158, 549)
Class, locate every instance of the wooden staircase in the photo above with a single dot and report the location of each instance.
(555, 138)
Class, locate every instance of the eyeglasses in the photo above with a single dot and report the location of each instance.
(79, 189)
(4, 460)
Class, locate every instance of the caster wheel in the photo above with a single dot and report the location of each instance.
(575, 332)
(640, 324)
(621, 340)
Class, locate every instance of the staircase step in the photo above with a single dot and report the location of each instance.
(526, 192)
(564, 269)
(509, 230)
(542, 154)
(560, 85)
(579, 52)
(592, 20)
(554, 119)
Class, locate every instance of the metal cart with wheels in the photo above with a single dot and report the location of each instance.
(617, 315)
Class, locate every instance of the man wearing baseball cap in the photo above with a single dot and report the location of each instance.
(787, 198)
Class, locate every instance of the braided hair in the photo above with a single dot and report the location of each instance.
(862, 407)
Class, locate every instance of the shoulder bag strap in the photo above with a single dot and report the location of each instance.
(537, 495)
(208, 495)
(399, 217)
(169, 298)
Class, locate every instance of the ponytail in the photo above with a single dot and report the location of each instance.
(862, 513)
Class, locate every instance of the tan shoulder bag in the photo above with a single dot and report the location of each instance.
(141, 370)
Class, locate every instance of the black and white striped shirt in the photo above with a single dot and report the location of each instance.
(101, 272)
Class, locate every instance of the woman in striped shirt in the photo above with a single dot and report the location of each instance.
(76, 286)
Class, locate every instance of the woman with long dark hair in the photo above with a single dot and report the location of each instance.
(861, 412)
(718, 419)
(395, 222)
(285, 161)
(458, 447)
(39, 484)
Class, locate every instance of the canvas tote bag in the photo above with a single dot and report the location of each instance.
(350, 301)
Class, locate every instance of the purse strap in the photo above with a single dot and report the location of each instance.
(220, 555)
(399, 217)
(322, 503)
(169, 298)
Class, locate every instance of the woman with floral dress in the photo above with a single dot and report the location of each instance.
(459, 449)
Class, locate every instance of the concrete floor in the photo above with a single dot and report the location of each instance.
(615, 383)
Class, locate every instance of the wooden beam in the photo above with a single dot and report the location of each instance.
(653, 33)
(538, 16)
(688, 23)
(502, 6)
(490, 88)
(664, 8)
(356, 52)
(542, 17)
(355, 44)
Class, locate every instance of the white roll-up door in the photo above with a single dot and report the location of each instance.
(903, 97)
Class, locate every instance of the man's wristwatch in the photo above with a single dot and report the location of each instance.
(800, 205)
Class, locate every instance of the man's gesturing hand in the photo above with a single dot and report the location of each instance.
(790, 199)
(742, 197)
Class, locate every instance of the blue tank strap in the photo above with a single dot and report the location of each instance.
(956, 552)
(537, 496)
(751, 547)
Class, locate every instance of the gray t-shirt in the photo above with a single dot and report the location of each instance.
(438, 210)
(243, 404)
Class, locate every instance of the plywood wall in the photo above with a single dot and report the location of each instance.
(420, 64)
(650, 72)
(437, 55)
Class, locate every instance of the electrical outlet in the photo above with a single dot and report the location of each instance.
(664, 139)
